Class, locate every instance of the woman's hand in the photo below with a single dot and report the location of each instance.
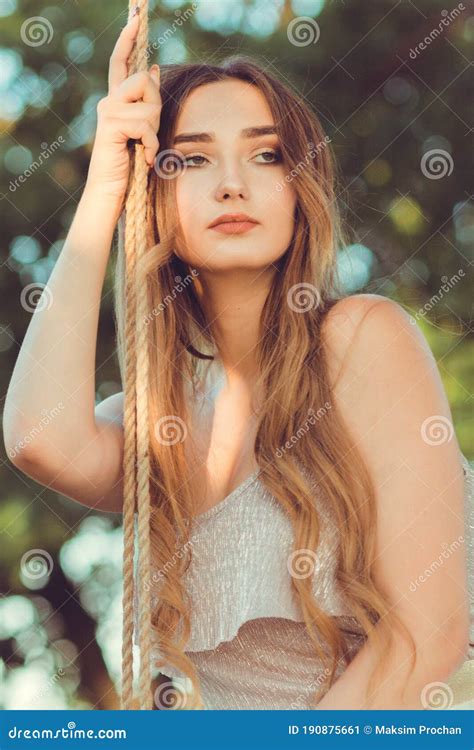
(131, 109)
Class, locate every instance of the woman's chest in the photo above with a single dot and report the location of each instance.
(220, 449)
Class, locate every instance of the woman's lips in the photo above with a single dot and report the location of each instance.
(234, 227)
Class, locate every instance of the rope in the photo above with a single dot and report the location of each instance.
(136, 461)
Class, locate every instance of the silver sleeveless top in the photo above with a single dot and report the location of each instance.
(248, 641)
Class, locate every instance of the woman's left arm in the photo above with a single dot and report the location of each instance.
(391, 396)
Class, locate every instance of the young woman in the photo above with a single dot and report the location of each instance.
(305, 472)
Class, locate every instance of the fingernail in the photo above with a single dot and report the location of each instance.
(135, 10)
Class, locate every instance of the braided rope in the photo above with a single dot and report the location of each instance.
(136, 462)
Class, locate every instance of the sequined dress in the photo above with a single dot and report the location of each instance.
(248, 640)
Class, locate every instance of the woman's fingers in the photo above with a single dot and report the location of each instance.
(146, 111)
(154, 74)
(142, 130)
(118, 68)
(132, 108)
(143, 85)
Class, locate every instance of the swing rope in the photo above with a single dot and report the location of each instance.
(136, 461)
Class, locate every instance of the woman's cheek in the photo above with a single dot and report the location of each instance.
(281, 199)
(186, 201)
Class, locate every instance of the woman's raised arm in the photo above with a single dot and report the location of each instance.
(52, 429)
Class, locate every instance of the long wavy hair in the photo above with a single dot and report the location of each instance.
(292, 361)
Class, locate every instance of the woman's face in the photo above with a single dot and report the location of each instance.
(230, 171)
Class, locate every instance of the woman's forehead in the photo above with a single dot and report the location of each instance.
(221, 105)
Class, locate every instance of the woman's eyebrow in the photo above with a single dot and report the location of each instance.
(253, 132)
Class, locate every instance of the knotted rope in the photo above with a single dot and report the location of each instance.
(136, 461)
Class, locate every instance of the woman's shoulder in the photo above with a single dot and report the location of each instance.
(388, 386)
(346, 315)
(360, 327)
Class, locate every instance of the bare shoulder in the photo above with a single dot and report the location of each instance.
(388, 387)
(365, 326)
(358, 322)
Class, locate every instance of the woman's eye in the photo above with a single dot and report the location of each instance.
(188, 159)
(274, 155)
(269, 157)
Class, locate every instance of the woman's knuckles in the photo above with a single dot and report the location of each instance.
(110, 109)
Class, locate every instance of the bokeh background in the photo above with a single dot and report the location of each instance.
(392, 85)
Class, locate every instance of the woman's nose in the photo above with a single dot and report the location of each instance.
(232, 185)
